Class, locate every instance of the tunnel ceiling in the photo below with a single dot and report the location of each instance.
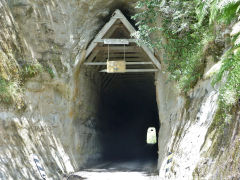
(115, 43)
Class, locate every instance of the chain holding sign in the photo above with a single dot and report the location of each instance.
(117, 66)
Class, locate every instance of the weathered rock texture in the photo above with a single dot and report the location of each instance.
(59, 122)
(187, 132)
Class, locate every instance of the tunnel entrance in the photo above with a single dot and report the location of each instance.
(127, 109)
(127, 98)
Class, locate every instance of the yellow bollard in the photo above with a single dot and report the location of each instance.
(151, 135)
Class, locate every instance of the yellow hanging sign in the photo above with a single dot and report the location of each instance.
(116, 66)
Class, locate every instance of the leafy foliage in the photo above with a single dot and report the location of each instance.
(30, 70)
(50, 71)
(146, 20)
(190, 33)
(10, 91)
(185, 39)
(188, 28)
(231, 90)
(4, 93)
(12, 77)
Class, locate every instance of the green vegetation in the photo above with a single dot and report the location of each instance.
(222, 127)
(11, 91)
(50, 71)
(229, 73)
(230, 92)
(5, 95)
(30, 70)
(186, 39)
(191, 32)
(189, 28)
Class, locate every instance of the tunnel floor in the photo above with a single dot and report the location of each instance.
(127, 109)
(128, 170)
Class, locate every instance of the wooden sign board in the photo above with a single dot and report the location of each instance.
(116, 66)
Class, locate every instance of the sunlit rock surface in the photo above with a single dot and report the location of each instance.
(58, 124)
(54, 127)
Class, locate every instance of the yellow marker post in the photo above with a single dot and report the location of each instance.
(151, 135)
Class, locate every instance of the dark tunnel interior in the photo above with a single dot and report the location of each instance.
(128, 108)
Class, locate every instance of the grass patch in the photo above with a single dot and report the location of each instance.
(5, 95)
(11, 93)
(30, 70)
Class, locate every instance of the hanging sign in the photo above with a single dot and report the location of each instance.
(151, 135)
(116, 66)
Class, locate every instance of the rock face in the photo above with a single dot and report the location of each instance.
(187, 133)
(186, 123)
(58, 124)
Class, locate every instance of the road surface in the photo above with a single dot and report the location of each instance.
(132, 170)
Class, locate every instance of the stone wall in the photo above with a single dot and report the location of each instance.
(185, 133)
(58, 121)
